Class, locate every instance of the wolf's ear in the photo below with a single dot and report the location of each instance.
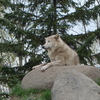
(56, 36)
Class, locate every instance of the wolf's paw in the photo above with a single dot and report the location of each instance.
(33, 67)
(44, 68)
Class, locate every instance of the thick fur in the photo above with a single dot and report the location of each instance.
(60, 53)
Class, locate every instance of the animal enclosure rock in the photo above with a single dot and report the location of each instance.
(45, 80)
(72, 85)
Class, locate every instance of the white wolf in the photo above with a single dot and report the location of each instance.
(60, 53)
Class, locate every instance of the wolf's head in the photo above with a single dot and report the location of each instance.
(51, 41)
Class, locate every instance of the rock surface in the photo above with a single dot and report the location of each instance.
(45, 80)
(72, 85)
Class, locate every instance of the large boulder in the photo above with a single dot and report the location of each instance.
(72, 85)
(45, 80)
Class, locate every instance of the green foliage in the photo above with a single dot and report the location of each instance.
(3, 96)
(46, 95)
(38, 94)
(11, 76)
(98, 82)
(18, 91)
(29, 28)
(27, 23)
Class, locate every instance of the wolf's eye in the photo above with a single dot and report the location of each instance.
(48, 41)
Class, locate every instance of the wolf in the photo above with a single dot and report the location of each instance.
(59, 52)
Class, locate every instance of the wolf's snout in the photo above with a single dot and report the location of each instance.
(43, 46)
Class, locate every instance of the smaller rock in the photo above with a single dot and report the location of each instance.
(72, 85)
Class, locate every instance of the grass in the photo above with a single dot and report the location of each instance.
(98, 82)
(46, 95)
(30, 94)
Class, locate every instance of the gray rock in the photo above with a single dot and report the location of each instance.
(45, 80)
(72, 85)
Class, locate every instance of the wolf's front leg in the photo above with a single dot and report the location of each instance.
(54, 63)
(39, 65)
(45, 67)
